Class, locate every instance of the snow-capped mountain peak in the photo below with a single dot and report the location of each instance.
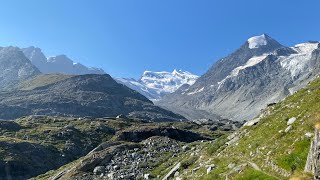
(257, 41)
(167, 82)
(155, 85)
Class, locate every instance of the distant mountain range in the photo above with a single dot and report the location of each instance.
(155, 85)
(57, 64)
(89, 126)
(25, 90)
(237, 87)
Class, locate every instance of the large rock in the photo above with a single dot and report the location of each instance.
(313, 161)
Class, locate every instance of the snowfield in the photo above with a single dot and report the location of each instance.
(154, 85)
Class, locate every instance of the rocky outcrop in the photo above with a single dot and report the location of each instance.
(221, 124)
(313, 160)
(143, 133)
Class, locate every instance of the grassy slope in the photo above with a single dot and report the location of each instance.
(43, 80)
(277, 154)
(266, 143)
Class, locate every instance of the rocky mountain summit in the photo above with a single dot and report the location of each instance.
(155, 85)
(14, 67)
(57, 64)
(237, 87)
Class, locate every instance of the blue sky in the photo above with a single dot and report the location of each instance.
(126, 37)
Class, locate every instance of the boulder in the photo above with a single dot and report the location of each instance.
(288, 129)
(308, 135)
(210, 167)
(121, 116)
(252, 122)
(231, 165)
(99, 170)
(291, 120)
(146, 176)
(185, 148)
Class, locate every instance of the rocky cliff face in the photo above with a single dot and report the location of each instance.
(239, 86)
(14, 67)
(313, 161)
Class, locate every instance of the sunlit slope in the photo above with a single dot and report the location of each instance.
(278, 149)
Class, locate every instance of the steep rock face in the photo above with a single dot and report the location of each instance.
(14, 67)
(239, 86)
(313, 161)
(83, 95)
(155, 85)
(57, 64)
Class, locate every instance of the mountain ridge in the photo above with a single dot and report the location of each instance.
(57, 64)
(240, 85)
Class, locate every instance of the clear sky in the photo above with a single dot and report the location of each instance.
(126, 37)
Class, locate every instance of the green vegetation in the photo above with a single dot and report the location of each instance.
(219, 142)
(297, 158)
(254, 175)
(188, 162)
(279, 154)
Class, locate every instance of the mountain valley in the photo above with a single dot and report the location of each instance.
(253, 115)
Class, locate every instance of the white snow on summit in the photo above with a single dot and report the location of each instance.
(154, 85)
(257, 41)
(295, 63)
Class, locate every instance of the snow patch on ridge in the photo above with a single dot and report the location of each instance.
(257, 41)
(297, 63)
(251, 62)
(196, 91)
